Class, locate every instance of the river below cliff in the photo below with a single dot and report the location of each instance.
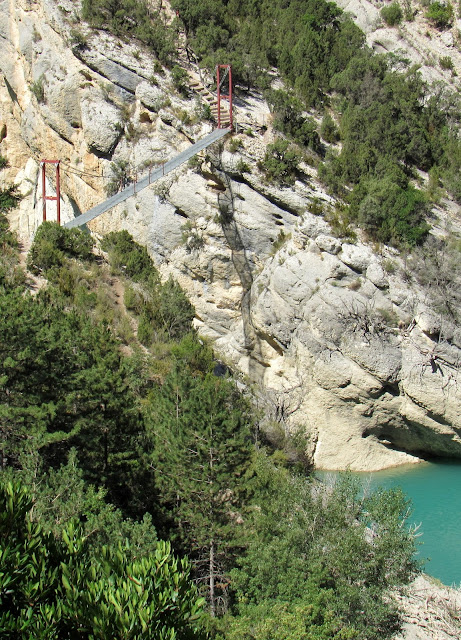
(434, 489)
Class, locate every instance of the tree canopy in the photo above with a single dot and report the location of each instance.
(51, 588)
(103, 452)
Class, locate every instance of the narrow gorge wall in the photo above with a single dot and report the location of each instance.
(340, 338)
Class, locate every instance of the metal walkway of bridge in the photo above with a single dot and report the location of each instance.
(153, 176)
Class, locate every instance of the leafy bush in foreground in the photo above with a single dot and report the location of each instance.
(49, 588)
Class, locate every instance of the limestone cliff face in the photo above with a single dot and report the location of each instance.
(338, 341)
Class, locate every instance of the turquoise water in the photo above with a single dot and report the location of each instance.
(435, 492)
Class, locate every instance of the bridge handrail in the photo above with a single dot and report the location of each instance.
(148, 179)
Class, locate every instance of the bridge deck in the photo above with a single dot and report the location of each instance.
(134, 188)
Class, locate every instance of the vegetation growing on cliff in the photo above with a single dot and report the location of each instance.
(10, 274)
(134, 18)
(118, 447)
(388, 127)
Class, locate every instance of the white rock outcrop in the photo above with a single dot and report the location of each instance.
(340, 345)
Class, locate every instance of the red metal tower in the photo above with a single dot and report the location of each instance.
(220, 79)
(57, 197)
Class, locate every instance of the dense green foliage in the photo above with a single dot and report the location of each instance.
(128, 256)
(386, 131)
(9, 198)
(180, 79)
(52, 588)
(289, 120)
(243, 34)
(328, 129)
(163, 309)
(63, 383)
(53, 244)
(318, 559)
(10, 274)
(280, 163)
(392, 14)
(440, 14)
(62, 496)
(119, 449)
(199, 438)
(391, 212)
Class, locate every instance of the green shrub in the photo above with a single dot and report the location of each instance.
(128, 256)
(191, 351)
(335, 577)
(340, 219)
(289, 120)
(446, 63)
(235, 144)
(317, 207)
(77, 39)
(3, 162)
(392, 15)
(389, 266)
(194, 163)
(9, 198)
(163, 308)
(242, 167)
(280, 163)
(180, 79)
(441, 15)
(328, 130)
(158, 68)
(84, 299)
(390, 318)
(10, 273)
(408, 11)
(172, 313)
(145, 330)
(52, 244)
(133, 300)
(38, 88)
(450, 173)
(390, 212)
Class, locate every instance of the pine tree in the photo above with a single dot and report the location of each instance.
(62, 383)
(200, 450)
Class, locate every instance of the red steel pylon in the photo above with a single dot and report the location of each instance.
(57, 197)
(227, 73)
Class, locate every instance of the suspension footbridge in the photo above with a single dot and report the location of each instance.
(148, 179)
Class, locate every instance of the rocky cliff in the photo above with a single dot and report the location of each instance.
(343, 340)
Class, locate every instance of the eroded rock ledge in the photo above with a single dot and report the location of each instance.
(342, 340)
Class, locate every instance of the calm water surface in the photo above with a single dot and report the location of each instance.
(435, 491)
